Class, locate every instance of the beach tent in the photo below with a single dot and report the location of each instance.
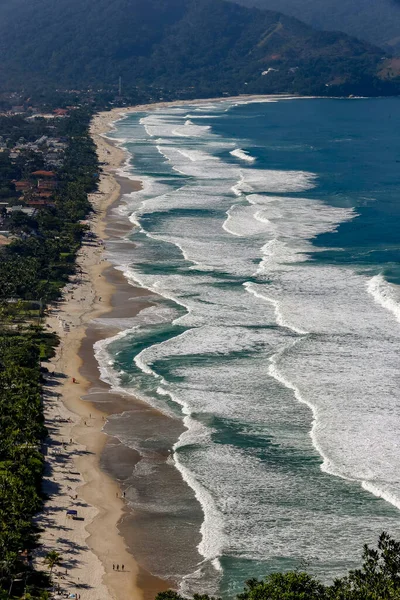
(72, 513)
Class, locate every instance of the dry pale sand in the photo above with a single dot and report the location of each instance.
(91, 544)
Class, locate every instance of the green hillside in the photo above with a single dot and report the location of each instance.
(180, 48)
(377, 21)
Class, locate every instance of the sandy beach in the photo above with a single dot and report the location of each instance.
(95, 562)
(79, 475)
(104, 120)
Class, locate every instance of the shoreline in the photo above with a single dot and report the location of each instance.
(90, 546)
(95, 391)
(78, 411)
(108, 118)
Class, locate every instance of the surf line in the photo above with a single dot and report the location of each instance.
(273, 370)
(211, 530)
(243, 155)
(382, 292)
(249, 287)
(275, 373)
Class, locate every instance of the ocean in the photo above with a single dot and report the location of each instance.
(270, 233)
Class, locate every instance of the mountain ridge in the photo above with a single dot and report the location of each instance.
(181, 48)
(373, 21)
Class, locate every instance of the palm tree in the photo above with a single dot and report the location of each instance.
(52, 559)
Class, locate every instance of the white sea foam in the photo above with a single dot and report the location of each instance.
(242, 221)
(260, 355)
(104, 360)
(226, 224)
(272, 181)
(192, 116)
(388, 496)
(196, 155)
(243, 155)
(212, 528)
(385, 294)
(252, 289)
(198, 163)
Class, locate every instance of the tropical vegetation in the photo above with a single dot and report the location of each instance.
(22, 432)
(34, 268)
(376, 22)
(38, 263)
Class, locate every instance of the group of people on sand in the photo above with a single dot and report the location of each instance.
(116, 567)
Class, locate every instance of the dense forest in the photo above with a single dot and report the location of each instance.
(180, 48)
(21, 462)
(376, 21)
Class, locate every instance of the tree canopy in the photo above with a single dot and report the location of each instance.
(179, 48)
(376, 22)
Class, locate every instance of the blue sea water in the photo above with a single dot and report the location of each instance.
(270, 231)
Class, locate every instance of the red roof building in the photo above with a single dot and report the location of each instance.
(44, 194)
(22, 186)
(44, 174)
(37, 202)
(61, 112)
(47, 185)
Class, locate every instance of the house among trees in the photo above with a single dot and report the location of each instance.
(61, 112)
(22, 186)
(46, 174)
(37, 191)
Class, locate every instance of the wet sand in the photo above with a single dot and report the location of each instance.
(147, 523)
(153, 530)
(90, 545)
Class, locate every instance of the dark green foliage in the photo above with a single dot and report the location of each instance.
(284, 586)
(21, 462)
(35, 266)
(179, 48)
(379, 577)
(16, 127)
(375, 21)
(171, 595)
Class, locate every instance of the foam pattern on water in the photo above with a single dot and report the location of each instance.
(287, 370)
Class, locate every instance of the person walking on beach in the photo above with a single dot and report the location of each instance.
(113, 567)
(117, 567)
(122, 567)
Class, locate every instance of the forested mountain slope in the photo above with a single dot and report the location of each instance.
(181, 48)
(377, 21)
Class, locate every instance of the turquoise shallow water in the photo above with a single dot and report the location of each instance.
(270, 232)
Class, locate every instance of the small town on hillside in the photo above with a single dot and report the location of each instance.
(30, 189)
(34, 139)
